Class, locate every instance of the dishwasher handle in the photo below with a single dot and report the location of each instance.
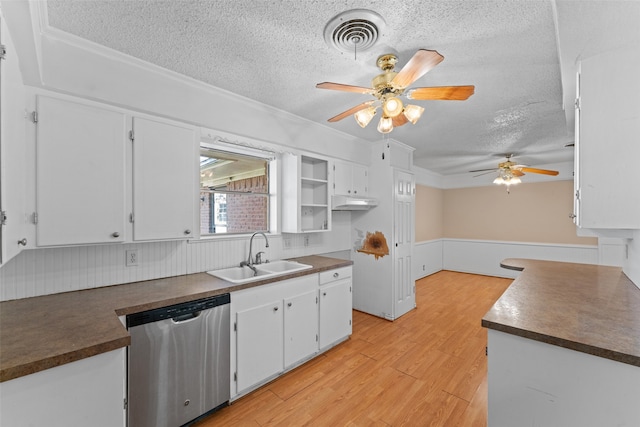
(186, 317)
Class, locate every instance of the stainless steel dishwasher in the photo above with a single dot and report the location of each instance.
(178, 362)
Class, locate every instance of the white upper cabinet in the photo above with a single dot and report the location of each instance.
(305, 194)
(607, 147)
(165, 180)
(13, 155)
(350, 179)
(80, 173)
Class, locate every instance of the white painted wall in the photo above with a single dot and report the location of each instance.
(88, 392)
(541, 385)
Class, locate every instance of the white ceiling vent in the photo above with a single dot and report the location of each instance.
(354, 30)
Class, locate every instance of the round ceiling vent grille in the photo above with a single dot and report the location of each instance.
(357, 29)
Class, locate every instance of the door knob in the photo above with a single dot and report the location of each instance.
(23, 241)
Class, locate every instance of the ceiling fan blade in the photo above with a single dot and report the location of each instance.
(484, 170)
(350, 111)
(485, 173)
(423, 61)
(453, 93)
(344, 88)
(399, 120)
(516, 172)
(542, 171)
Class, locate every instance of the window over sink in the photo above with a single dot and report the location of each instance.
(234, 191)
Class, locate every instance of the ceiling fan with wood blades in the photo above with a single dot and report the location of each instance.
(388, 87)
(509, 172)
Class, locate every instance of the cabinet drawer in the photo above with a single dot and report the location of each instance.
(333, 275)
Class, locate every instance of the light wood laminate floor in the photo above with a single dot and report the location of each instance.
(427, 368)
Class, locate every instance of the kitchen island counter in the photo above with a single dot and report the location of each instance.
(588, 308)
(43, 332)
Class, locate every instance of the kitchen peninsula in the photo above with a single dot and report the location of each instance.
(564, 347)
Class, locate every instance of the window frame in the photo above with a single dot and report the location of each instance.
(271, 195)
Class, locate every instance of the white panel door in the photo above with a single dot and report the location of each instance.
(80, 173)
(259, 343)
(335, 311)
(404, 205)
(164, 180)
(300, 327)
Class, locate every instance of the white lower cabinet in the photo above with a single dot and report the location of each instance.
(300, 327)
(259, 334)
(277, 326)
(335, 306)
(87, 392)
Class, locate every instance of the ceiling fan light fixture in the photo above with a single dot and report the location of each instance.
(392, 106)
(413, 113)
(385, 125)
(363, 117)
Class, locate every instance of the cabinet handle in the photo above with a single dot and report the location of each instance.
(336, 275)
(324, 294)
(348, 191)
(275, 308)
(23, 241)
(572, 216)
(187, 231)
(288, 304)
(355, 191)
(115, 234)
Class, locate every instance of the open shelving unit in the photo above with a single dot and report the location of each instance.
(305, 194)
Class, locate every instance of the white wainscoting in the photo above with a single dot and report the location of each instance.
(427, 258)
(484, 256)
(54, 270)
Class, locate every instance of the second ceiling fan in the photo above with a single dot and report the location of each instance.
(388, 87)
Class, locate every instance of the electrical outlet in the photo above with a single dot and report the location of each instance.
(132, 257)
(286, 242)
(306, 240)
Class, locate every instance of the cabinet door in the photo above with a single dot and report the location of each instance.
(259, 344)
(300, 327)
(13, 157)
(80, 173)
(335, 312)
(607, 141)
(360, 180)
(164, 181)
(342, 178)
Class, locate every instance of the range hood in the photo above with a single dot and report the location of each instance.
(352, 203)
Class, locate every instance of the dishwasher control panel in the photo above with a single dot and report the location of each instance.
(176, 310)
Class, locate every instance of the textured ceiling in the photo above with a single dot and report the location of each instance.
(274, 52)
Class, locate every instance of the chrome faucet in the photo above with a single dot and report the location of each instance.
(249, 261)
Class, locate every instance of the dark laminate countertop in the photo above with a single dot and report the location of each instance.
(42, 332)
(589, 308)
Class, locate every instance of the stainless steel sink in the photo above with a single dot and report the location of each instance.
(264, 271)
